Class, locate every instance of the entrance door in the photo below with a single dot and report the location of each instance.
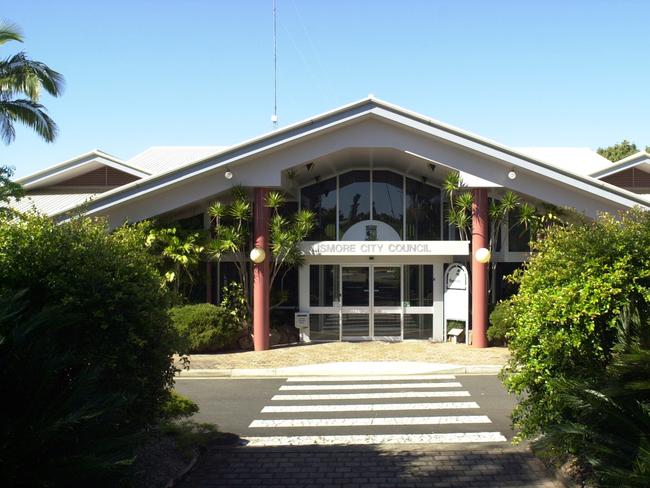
(387, 302)
(371, 302)
(355, 303)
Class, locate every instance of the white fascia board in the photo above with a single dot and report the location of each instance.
(230, 158)
(518, 160)
(626, 163)
(346, 114)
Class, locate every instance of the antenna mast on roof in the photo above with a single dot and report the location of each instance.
(274, 117)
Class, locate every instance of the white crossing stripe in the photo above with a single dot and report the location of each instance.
(307, 440)
(305, 379)
(349, 422)
(370, 407)
(372, 386)
(373, 396)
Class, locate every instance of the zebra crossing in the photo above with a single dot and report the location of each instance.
(349, 410)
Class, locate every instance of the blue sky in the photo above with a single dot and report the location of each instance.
(200, 72)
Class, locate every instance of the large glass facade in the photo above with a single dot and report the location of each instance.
(354, 199)
(388, 199)
(320, 198)
(374, 195)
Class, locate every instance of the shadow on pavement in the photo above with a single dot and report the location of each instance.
(368, 466)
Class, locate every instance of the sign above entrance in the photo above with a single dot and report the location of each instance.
(385, 248)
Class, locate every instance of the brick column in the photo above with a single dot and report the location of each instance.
(261, 273)
(479, 270)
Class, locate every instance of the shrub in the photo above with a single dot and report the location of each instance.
(611, 428)
(59, 424)
(205, 328)
(571, 293)
(109, 347)
(501, 322)
(178, 405)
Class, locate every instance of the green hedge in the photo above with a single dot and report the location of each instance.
(98, 369)
(501, 323)
(205, 328)
(571, 294)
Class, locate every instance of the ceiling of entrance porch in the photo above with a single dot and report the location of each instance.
(369, 158)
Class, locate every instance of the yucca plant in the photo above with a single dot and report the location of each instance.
(232, 235)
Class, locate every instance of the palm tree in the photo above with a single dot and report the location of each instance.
(22, 81)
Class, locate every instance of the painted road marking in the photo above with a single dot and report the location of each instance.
(299, 379)
(372, 386)
(374, 396)
(307, 440)
(371, 407)
(350, 422)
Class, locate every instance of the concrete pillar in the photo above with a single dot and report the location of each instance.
(479, 270)
(261, 273)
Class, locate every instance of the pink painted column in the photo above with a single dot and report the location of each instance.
(479, 270)
(261, 273)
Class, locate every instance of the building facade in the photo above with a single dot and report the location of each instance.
(382, 262)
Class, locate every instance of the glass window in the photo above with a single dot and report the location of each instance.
(323, 285)
(518, 235)
(422, 211)
(418, 326)
(386, 286)
(418, 285)
(497, 236)
(285, 287)
(388, 199)
(320, 198)
(354, 199)
(355, 286)
(227, 273)
(324, 327)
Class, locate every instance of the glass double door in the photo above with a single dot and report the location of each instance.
(371, 302)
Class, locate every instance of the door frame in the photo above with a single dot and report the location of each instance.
(371, 309)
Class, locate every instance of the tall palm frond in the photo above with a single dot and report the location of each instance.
(22, 81)
(30, 113)
(19, 74)
(9, 32)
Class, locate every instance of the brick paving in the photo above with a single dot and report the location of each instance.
(330, 352)
(369, 467)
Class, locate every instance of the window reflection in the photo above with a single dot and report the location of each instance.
(418, 285)
(323, 285)
(518, 235)
(354, 199)
(388, 199)
(320, 198)
(422, 211)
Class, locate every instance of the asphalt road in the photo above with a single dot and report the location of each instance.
(233, 404)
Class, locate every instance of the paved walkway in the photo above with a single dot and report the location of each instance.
(299, 355)
(369, 467)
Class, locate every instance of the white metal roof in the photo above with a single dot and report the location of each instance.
(51, 203)
(369, 108)
(639, 159)
(578, 160)
(159, 159)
